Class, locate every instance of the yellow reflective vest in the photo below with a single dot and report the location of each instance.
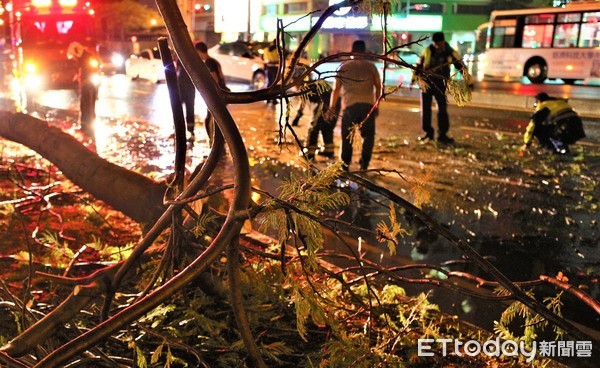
(545, 113)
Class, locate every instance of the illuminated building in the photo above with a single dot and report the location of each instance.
(408, 21)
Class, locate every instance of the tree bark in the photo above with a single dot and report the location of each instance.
(131, 193)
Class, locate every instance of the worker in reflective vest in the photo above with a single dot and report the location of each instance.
(554, 123)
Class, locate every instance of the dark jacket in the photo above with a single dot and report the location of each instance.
(439, 60)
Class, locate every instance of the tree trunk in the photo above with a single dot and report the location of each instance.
(131, 193)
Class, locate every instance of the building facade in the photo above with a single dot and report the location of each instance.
(257, 20)
(199, 16)
(407, 22)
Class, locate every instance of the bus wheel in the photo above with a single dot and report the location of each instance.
(536, 71)
(569, 81)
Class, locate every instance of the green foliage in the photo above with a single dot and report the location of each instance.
(169, 358)
(459, 89)
(140, 359)
(311, 89)
(204, 220)
(275, 350)
(310, 194)
(58, 253)
(158, 315)
(391, 232)
(109, 252)
(353, 133)
(354, 350)
(519, 323)
(7, 209)
(307, 294)
(157, 353)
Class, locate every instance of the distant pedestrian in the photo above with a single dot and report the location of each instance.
(319, 125)
(436, 59)
(87, 73)
(187, 93)
(554, 123)
(271, 59)
(217, 73)
(358, 85)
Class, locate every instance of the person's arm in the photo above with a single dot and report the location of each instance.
(537, 118)
(528, 136)
(457, 60)
(213, 68)
(420, 64)
(377, 79)
(331, 113)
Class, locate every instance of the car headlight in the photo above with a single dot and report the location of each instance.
(96, 79)
(117, 59)
(32, 82)
(30, 68)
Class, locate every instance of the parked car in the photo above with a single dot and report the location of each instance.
(240, 63)
(146, 65)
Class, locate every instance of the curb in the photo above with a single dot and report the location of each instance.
(585, 107)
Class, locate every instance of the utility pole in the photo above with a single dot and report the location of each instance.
(249, 29)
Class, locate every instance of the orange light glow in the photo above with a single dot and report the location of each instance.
(569, 67)
(30, 68)
(41, 3)
(94, 63)
(67, 3)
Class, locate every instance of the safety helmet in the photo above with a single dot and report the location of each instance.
(75, 50)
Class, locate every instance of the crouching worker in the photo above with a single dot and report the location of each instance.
(554, 123)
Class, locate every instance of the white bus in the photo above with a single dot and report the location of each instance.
(545, 43)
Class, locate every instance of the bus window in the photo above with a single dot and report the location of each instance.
(482, 37)
(590, 30)
(539, 19)
(566, 35)
(538, 30)
(567, 30)
(569, 18)
(504, 33)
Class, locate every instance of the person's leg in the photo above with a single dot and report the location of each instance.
(271, 76)
(190, 113)
(188, 103)
(209, 124)
(299, 114)
(442, 115)
(312, 135)
(367, 132)
(347, 122)
(426, 98)
(327, 128)
(87, 107)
